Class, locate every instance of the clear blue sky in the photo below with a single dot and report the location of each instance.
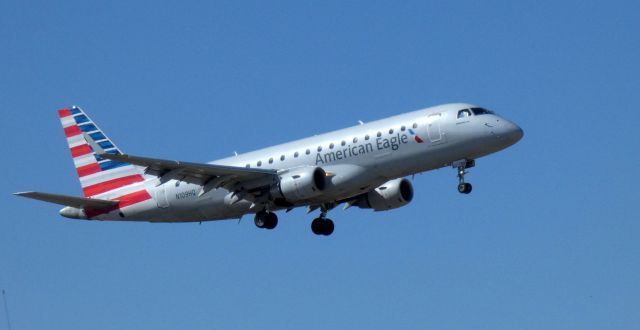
(549, 238)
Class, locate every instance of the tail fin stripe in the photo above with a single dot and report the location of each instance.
(111, 165)
(111, 184)
(97, 136)
(71, 131)
(84, 160)
(106, 145)
(124, 201)
(81, 119)
(75, 141)
(133, 198)
(99, 177)
(67, 121)
(88, 169)
(75, 110)
(88, 128)
(80, 150)
(64, 113)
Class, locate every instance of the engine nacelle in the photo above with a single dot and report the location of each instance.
(390, 195)
(299, 184)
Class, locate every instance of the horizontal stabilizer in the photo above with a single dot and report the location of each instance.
(78, 202)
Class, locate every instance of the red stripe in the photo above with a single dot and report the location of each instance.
(111, 184)
(124, 201)
(133, 198)
(88, 169)
(64, 113)
(80, 150)
(71, 131)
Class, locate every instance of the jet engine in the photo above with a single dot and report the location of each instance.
(390, 195)
(299, 184)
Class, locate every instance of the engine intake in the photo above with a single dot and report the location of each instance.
(300, 184)
(390, 195)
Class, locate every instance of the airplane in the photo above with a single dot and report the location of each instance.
(364, 166)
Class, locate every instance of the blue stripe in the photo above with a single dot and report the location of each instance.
(112, 151)
(106, 145)
(87, 127)
(75, 111)
(97, 136)
(111, 165)
(81, 119)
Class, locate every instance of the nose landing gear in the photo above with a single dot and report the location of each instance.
(462, 165)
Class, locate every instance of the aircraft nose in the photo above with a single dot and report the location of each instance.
(513, 132)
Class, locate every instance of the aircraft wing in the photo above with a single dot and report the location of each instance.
(78, 202)
(210, 176)
(199, 170)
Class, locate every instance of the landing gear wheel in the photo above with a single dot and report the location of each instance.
(320, 226)
(266, 220)
(316, 226)
(462, 165)
(464, 188)
(260, 219)
(327, 227)
(272, 221)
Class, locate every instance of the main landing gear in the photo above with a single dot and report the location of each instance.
(322, 226)
(266, 220)
(462, 165)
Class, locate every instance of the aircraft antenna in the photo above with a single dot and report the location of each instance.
(360, 122)
(6, 309)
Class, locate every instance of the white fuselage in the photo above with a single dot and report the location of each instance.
(356, 159)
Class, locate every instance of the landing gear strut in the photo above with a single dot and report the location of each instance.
(462, 165)
(322, 225)
(266, 220)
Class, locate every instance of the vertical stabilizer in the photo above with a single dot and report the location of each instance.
(97, 175)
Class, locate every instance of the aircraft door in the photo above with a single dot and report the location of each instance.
(161, 197)
(434, 130)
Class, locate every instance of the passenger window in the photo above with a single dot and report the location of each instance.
(308, 151)
(379, 134)
(319, 148)
(282, 158)
(331, 146)
(247, 166)
(415, 125)
(402, 128)
(366, 137)
(343, 142)
(259, 163)
(464, 113)
(270, 160)
(391, 131)
(295, 155)
(355, 139)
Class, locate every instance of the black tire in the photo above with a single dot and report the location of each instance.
(316, 226)
(327, 227)
(467, 188)
(271, 220)
(260, 219)
(462, 188)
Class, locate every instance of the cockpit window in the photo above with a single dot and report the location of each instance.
(481, 111)
(464, 113)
